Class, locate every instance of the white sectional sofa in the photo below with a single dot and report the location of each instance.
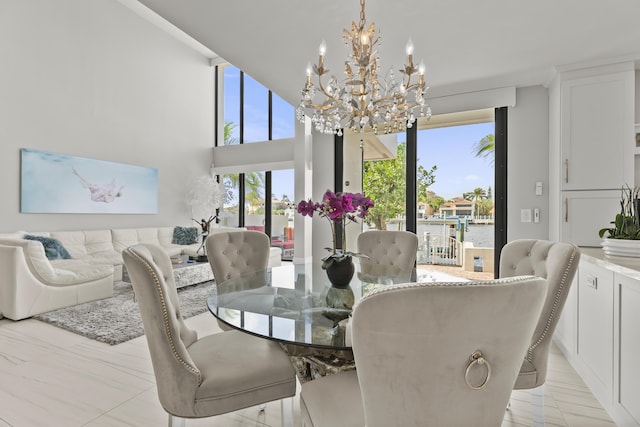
(31, 283)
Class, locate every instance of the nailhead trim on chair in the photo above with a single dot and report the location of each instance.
(390, 288)
(529, 357)
(165, 317)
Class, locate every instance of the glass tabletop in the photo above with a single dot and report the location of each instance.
(293, 304)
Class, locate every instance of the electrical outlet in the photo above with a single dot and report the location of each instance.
(525, 215)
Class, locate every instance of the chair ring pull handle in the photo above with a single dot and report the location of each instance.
(476, 358)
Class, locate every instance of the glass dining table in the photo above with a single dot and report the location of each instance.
(295, 305)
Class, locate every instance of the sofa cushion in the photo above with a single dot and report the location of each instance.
(185, 235)
(106, 257)
(85, 242)
(73, 271)
(53, 249)
(123, 238)
(73, 242)
(165, 235)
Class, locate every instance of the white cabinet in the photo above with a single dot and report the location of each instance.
(627, 373)
(592, 149)
(597, 131)
(595, 327)
(584, 213)
(599, 334)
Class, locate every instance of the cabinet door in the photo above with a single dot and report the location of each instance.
(566, 329)
(595, 328)
(584, 213)
(628, 345)
(597, 131)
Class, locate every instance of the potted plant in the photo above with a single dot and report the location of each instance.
(340, 209)
(623, 238)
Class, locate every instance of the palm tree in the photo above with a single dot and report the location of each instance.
(254, 184)
(229, 127)
(486, 148)
(477, 194)
(254, 181)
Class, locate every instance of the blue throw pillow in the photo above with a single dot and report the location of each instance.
(53, 249)
(185, 235)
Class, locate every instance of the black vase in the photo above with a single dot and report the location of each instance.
(340, 272)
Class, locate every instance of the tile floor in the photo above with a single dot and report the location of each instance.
(51, 377)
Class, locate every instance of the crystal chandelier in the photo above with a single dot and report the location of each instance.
(363, 101)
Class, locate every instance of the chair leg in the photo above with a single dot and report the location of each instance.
(537, 406)
(286, 409)
(175, 421)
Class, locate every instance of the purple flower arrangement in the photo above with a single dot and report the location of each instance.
(340, 209)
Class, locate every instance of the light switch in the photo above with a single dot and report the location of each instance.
(539, 188)
(525, 215)
(536, 215)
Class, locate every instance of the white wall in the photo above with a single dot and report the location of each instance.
(93, 79)
(528, 162)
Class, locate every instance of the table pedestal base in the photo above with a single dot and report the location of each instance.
(311, 363)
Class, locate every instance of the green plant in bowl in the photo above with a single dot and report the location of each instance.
(626, 224)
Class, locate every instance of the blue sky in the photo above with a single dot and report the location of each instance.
(450, 148)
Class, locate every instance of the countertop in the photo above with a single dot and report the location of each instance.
(624, 265)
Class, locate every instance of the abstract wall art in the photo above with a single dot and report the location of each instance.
(61, 183)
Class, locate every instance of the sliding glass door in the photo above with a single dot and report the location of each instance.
(449, 163)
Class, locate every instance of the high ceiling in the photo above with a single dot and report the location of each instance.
(466, 44)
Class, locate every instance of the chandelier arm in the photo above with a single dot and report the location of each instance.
(325, 92)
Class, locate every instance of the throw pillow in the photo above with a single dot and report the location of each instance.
(185, 235)
(53, 249)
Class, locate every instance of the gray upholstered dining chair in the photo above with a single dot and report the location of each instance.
(441, 354)
(556, 262)
(234, 253)
(201, 377)
(388, 253)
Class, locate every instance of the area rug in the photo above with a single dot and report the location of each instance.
(117, 319)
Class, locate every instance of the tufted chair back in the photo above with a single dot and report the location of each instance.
(390, 253)
(416, 351)
(177, 376)
(234, 253)
(556, 262)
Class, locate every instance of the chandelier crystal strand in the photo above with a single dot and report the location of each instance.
(362, 101)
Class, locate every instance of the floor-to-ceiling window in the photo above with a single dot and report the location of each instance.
(384, 182)
(256, 199)
(282, 211)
